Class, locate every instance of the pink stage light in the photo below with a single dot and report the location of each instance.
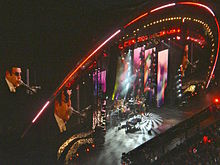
(74, 71)
(136, 19)
(162, 7)
(216, 58)
(118, 31)
(198, 4)
(216, 21)
(44, 107)
(84, 61)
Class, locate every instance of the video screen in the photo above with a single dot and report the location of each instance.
(99, 82)
(124, 79)
(191, 75)
(162, 73)
(147, 69)
(137, 58)
(138, 70)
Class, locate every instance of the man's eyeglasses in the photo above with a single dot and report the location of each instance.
(17, 74)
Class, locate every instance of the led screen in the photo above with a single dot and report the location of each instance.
(101, 79)
(137, 59)
(162, 72)
(147, 69)
(138, 55)
(124, 76)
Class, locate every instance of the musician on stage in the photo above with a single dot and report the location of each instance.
(12, 118)
(62, 110)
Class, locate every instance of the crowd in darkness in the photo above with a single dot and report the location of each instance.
(203, 148)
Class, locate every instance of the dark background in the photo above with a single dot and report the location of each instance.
(50, 37)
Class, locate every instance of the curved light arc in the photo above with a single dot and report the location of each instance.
(116, 33)
(191, 4)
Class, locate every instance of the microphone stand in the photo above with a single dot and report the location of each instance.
(28, 87)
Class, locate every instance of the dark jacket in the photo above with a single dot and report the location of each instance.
(13, 120)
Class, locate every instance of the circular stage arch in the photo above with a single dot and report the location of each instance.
(138, 27)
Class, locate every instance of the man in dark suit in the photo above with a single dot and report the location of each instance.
(12, 118)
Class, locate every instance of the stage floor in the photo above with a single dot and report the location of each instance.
(118, 141)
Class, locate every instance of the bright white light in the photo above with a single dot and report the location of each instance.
(41, 111)
(127, 86)
(162, 7)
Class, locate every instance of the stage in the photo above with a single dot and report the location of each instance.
(117, 141)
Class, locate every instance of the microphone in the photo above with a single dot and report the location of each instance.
(71, 110)
(27, 86)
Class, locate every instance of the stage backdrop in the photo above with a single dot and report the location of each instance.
(162, 73)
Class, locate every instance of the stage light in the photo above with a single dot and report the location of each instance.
(136, 19)
(205, 139)
(47, 103)
(198, 4)
(162, 7)
(216, 100)
(194, 150)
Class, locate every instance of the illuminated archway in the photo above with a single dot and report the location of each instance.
(96, 50)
